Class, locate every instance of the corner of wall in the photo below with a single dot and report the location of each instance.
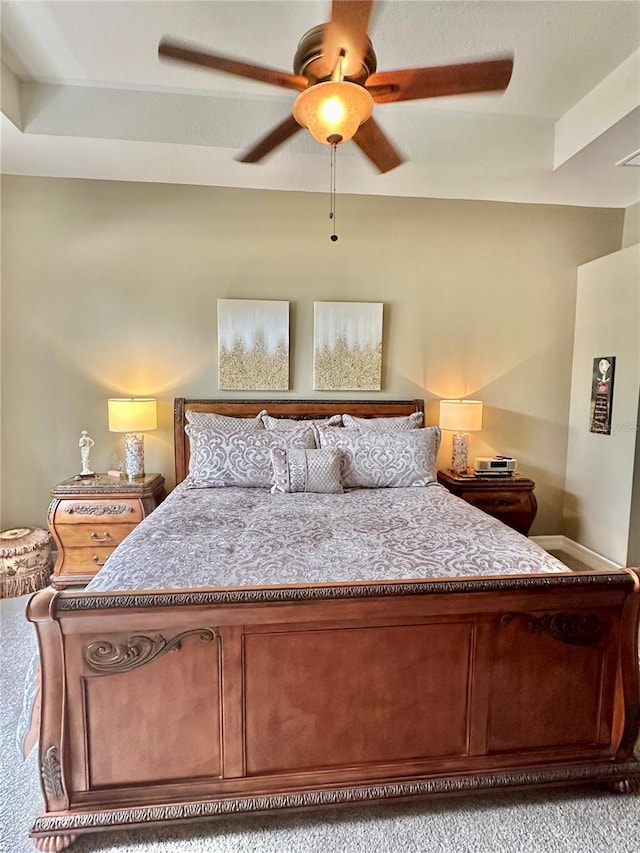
(631, 228)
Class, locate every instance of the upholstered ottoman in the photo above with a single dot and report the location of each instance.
(25, 560)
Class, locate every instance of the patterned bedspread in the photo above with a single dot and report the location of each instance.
(233, 537)
(224, 537)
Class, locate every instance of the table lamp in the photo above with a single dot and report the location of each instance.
(462, 417)
(132, 415)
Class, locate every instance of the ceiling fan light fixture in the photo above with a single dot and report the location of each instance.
(333, 111)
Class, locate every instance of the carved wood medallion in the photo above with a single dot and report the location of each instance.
(106, 657)
(576, 629)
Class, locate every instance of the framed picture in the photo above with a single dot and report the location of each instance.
(253, 345)
(347, 353)
(603, 372)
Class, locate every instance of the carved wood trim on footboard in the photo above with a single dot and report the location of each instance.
(187, 704)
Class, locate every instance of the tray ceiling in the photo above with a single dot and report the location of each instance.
(85, 95)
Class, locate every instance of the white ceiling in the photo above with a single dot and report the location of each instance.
(85, 95)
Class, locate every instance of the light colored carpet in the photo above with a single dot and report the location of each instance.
(569, 820)
(570, 562)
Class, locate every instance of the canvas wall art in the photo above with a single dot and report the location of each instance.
(347, 346)
(253, 345)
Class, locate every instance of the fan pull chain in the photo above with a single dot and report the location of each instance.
(332, 194)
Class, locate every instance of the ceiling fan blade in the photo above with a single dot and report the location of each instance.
(276, 137)
(412, 84)
(347, 30)
(187, 53)
(372, 141)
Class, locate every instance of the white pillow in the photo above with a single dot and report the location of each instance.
(375, 460)
(239, 458)
(412, 421)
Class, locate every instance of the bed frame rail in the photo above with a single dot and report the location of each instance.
(190, 704)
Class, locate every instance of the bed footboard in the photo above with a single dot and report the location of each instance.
(176, 706)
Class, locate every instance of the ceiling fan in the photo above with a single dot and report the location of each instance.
(335, 74)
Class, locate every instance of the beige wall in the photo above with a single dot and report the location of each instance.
(631, 230)
(110, 289)
(600, 468)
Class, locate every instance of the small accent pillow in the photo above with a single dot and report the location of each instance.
(377, 460)
(412, 421)
(225, 423)
(297, 470)
(237, 459)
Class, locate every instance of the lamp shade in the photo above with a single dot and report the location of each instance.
(132, 414)
(461, 415)
(333, 111)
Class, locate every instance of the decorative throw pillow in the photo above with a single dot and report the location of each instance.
(292, 425)
(225, 423)
(239, 458)
(412, 421)
(377, 460)
(297, 470)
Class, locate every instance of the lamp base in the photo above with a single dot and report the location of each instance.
(134, 455)
(460, 453)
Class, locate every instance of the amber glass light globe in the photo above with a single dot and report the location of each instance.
(333, 111)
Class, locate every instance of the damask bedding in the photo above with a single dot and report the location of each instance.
(234, 536)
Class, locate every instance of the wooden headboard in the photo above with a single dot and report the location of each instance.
(279, 408)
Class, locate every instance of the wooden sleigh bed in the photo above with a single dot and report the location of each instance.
(182, 704)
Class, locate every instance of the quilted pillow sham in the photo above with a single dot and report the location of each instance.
(377, 460)
(297, 470)
(398, 424)
(225, 423)
(237, 458)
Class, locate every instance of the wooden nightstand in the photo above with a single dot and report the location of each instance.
(511, 499)
(88, 517)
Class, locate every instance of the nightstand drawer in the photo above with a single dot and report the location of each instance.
(499, 502)
(89, 535)
(102, 511)
(82, 561)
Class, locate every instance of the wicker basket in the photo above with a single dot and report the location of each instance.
(25, 561)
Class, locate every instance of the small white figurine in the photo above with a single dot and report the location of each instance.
(85, 444)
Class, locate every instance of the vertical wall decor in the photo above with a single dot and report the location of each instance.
(253, 345)
(602, 394)
(347, 346)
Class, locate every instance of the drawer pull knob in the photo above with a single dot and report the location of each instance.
(97, 538)
(95, 559)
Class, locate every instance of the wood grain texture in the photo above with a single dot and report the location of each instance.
(280, 133)
(294, 704)
(89, 518)
(171, 49)
(410, 84)
(373, 142)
